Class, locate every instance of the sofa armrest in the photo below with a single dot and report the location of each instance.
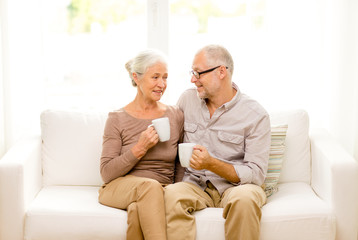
(20, 181)
(335, 180)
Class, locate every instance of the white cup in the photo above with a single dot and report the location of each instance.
(162, 126)
(185, 152)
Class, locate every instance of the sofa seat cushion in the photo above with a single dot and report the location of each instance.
(73, 213)
(295, 212)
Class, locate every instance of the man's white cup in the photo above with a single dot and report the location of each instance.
(162, 126)
(185, 151)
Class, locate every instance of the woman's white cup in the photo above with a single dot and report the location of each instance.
(162, 126)
(185, 152)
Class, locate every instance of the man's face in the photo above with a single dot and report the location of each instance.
(208, 83)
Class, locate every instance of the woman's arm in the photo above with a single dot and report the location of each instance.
(114, 162)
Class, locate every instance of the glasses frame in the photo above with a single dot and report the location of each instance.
(197, 74)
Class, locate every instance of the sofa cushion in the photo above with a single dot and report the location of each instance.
(71, 148)
(73, 213)
(295, 212)
(296, 165)
(72, 145)
(277, 150)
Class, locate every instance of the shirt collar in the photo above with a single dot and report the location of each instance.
(235, 99)
(228, 105)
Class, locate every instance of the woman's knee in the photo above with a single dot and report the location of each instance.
(150, 186)
(174, 191)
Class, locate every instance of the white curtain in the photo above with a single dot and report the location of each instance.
(2, 135)
(313, 48)
(340, 47)
(22, 79)
(2, 65)
(356, 142)
(290, 66)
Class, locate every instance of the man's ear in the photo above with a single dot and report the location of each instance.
(222, 72)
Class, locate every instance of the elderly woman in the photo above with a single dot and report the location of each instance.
(134, 164)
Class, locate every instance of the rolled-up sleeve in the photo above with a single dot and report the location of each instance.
(253, 168)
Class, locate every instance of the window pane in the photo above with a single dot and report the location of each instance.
(234, 24)
(86, 44)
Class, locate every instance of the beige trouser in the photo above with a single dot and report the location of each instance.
(144, 201)
(242, 209)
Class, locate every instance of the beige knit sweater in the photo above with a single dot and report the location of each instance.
(122, 132)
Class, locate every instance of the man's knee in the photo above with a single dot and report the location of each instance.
(244, 199)
(242, 196)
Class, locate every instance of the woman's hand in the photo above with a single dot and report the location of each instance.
(147, 139)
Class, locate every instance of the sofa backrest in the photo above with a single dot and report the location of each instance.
(71, 147)
(72, 144)
(296, 166)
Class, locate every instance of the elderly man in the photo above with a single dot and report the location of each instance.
(229, 163)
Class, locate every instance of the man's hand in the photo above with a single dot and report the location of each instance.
(201, 159)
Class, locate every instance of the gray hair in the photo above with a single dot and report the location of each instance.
(218, 55)
(145, 59)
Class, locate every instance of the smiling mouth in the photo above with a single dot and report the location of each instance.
(158, 92)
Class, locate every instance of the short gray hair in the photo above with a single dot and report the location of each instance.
(144, 59)
(218, 55)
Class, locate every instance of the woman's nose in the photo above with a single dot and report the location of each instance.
(162, 83)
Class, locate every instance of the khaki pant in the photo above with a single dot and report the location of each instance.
(144, 201)
(242, 209)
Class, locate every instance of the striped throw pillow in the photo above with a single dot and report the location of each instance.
(277, 150)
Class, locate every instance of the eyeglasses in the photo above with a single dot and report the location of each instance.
(197, 74)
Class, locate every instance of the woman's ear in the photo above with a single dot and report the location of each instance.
(135, 78)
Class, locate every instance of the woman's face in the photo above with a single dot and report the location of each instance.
(153, 82)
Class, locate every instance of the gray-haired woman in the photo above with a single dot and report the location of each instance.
(134, 164)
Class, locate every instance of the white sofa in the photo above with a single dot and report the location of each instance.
(49, 186)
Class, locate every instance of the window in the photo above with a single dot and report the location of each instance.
(87, 42)
(234, 24)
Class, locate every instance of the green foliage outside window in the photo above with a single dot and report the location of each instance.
(203, 9)
(83, 13)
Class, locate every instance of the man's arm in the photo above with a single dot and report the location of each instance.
(201, 159)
